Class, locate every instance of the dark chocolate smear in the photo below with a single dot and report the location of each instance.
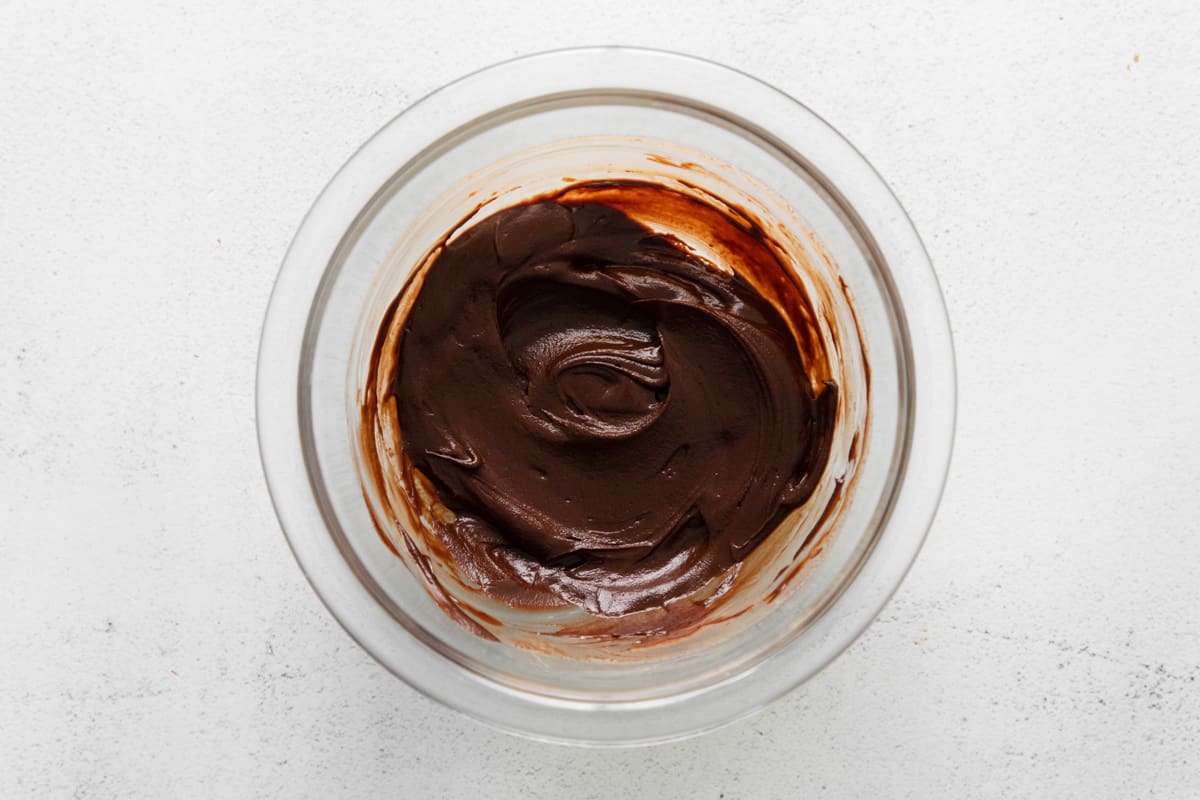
(614, 422)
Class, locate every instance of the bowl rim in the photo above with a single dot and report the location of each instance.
(279, 384)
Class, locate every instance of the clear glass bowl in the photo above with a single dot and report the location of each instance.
(512, 131)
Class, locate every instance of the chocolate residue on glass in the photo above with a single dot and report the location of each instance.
(591, 414)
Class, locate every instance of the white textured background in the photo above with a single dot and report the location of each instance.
(157, 639)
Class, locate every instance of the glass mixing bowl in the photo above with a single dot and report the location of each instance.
(516, 130)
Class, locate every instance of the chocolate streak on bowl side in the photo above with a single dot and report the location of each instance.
(590, 414)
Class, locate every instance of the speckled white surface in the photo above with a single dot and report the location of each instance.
(158, 640)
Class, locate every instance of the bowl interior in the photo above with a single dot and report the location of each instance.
(534, 147)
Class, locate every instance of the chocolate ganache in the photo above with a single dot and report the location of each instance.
(610, 421)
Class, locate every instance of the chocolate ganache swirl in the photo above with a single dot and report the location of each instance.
(610, 421)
